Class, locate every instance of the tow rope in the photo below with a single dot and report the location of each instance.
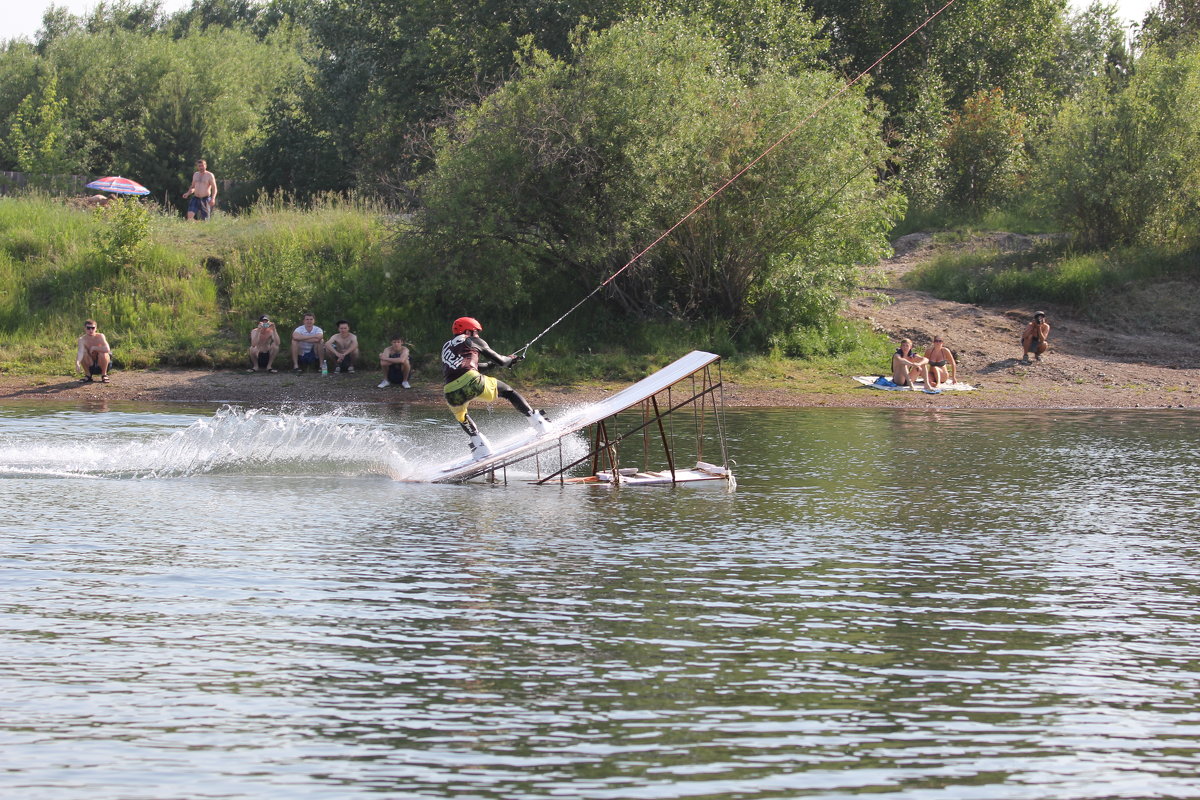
(789, 134)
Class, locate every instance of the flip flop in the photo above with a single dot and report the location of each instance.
(104, 379)
(272, 370)
(251, 371)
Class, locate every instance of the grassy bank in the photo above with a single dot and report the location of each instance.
(172, 294)
(1052, 274)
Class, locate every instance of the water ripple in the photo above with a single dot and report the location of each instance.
(275, 628)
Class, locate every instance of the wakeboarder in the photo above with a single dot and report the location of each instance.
(464, 382)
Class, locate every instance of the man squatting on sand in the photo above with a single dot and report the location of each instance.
(93, 356)
(308, 344)
(264, 345)
(395, 363)
(1035, 336)
(342, 348)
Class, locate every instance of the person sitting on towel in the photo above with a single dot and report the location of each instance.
(939, 357)
(907, 366)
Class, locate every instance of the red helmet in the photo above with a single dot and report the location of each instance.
(465, 325)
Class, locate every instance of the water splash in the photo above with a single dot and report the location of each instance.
(257, 442)
(233, 441)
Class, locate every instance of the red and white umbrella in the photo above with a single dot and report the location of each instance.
(118, 185)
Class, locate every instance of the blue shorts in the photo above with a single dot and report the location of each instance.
(201, 207)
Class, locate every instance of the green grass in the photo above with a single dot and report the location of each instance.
(966, 224)
(1055, 275)
(168, 293)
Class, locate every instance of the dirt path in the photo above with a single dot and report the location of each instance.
(1088, 366)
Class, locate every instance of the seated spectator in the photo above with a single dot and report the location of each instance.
(264, 345)
(93, 356)
(342, 348)
(1034, 337)
(907, 366)
(395, 363)
(939, 357)
(308, 344)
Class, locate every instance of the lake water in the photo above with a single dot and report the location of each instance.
(895, 604)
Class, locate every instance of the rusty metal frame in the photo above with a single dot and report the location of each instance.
(703, 385)
(603, 443)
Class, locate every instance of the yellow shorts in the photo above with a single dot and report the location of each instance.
(465, 388)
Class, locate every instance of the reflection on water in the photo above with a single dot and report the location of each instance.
(893, 603)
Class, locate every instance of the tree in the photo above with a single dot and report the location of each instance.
(1095, 45)
(554, 181)
(985, 152)
(37, 138)
(147, 104)
(922, 140)
(390, 69)
(984, 44)
(1124, 167)
(1172, 24)
(20, 76)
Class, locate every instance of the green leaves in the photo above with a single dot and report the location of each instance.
(985, 152)
(1123, 167)
(37, 138)
(555, 181)
(133, 99)
(123, 234)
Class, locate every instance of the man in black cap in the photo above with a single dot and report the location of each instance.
(264, 345)
(1033, 339)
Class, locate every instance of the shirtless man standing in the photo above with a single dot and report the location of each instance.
(264, 345)
(202, 194)
(342, 347)
(93, 354)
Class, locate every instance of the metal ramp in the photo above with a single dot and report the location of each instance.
(691, 384)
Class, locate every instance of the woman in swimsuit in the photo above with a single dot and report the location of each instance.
(939, 356)
(907, 366)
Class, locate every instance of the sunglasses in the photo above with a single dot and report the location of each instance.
(89, 327)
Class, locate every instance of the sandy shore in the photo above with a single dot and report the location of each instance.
(1022, 386)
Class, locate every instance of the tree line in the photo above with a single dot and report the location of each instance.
(531, 150)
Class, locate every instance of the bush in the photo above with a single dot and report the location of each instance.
(126, 227)
(553, 183)
(1123, 167)
(985, 153)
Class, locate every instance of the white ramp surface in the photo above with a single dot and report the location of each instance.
(628, 397)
